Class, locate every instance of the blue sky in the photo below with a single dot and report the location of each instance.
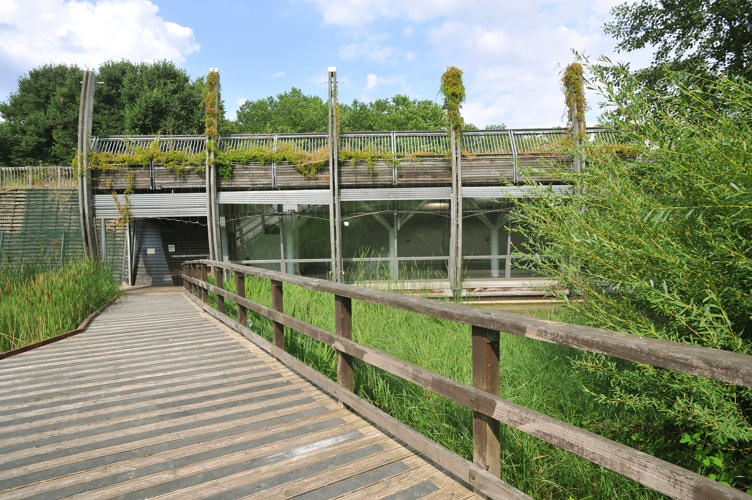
(512, 53)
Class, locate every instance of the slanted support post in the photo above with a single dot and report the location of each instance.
(278, 329)
(343, 323)
(335, 217)
(485, 354)
(86, 206)
(219, 277)
(240, 290)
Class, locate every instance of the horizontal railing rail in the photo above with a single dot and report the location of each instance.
(36, 176)
(483, 397)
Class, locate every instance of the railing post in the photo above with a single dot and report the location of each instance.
(343, 322)
(278, 329)
(240, 290)
(205, 278)
(219, 277)
(486, 447)
(185, 282)
(189, 272)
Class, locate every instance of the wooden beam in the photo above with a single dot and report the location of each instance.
(731, 367)
(650, 471)
(481, 480)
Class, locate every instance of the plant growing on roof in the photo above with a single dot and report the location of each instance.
(574, 95)
(211, 115)
(454, 95)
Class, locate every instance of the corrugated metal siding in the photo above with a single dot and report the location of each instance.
(491, 192)
(411, 193)
(153, 205)
(301, 196)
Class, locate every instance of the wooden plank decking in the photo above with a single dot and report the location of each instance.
(156, 399)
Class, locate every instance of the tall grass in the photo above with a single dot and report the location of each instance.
(37, 304)
(534, 374)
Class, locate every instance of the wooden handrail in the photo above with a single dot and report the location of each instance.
(490, 409)
(717, 364)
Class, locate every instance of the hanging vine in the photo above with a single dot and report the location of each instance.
(454, 95)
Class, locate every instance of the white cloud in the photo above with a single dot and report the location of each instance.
(512, 53)
(88, 33)
(367, 47)
(373, 81)
(278, 74)
(241, 101)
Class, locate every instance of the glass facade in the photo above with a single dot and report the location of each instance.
(288, 238)
(386, 240)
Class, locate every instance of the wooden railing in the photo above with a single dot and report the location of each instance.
(489, 410)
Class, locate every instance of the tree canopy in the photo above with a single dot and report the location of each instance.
(691, 34)
(41, 117)
(294, 111)
(289, 112)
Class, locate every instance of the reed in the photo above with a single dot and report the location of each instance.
(36, 304)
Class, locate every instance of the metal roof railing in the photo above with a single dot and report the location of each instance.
(402, 143)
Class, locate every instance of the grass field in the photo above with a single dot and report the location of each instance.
(36, 304)
(534, 374)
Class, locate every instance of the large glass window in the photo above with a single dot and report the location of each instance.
(395, 240)
(491, 246)
(290, 238)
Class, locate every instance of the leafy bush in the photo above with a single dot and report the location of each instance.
(659, 243)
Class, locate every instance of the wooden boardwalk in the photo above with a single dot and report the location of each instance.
(156, 399)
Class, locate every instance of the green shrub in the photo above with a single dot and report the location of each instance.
(659, 243)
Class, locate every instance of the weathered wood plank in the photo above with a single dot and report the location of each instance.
(461, 468)
(660, 475)
(153, 414)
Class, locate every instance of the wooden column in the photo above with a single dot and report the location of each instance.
(209, 203)
(455, 234)
(278, 329)
(486, 447)
(219, 277)
(343, 322)
(214, 198)
(335, 218)
(240, 290)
